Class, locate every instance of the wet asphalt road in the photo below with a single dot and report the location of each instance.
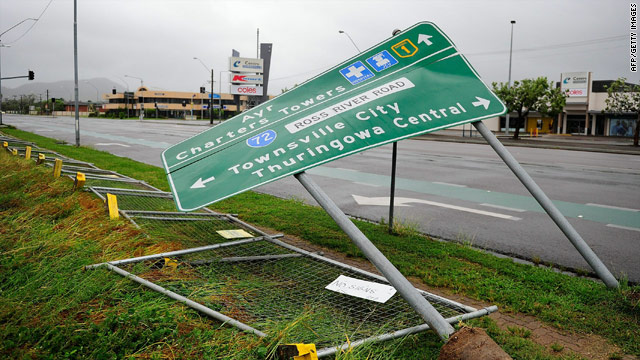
(455, 191)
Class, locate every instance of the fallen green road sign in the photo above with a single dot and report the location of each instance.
(413, 83)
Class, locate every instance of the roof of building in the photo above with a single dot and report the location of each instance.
(600, 86)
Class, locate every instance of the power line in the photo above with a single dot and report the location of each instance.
(555, 46)
(33, 24)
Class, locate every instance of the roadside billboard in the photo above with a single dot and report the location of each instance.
(576, 86)
(246, 90)
(255, 79)
(240, 64)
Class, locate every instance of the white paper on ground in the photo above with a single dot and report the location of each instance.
(362, 289)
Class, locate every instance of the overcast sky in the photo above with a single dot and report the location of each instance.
(157, 39)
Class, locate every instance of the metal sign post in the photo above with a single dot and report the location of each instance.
(430, 315)
(583, 248)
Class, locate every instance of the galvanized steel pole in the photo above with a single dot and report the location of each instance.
(506, 124)
(211, 100)
(583, 248)
(75, 65)
(430, 315)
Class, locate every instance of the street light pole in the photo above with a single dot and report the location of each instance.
(1, 46)
(506, 125)
(211, 98)
(97, 91)
(142, 92)
(75, 65)
(354, 44)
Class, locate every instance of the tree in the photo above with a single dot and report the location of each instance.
(530, 95)
(624, 98)
(553, 103)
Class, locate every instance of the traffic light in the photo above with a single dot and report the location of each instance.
(53, 100)
(184, 103)
(32, 75)
(113, 91)
(202, 90)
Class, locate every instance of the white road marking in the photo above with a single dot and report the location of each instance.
(111, 144)
(613, 207)
(346, 169)
(623, 227)
(449, 184)
(402, 201)
(367, 184)
(503, 207)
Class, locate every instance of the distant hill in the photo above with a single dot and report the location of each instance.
(63, 89)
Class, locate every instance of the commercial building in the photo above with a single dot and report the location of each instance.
(171, 104)
(584, 113)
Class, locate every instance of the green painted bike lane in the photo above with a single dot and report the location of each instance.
(630, 219)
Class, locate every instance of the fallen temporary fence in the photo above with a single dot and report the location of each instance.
(256, 283)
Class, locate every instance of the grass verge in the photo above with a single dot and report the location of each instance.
(37, 305)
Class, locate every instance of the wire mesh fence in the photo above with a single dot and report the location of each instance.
(189, 229)
(259, 281)
(268, 287)
(138, 199)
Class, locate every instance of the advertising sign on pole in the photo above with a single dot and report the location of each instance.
(246, 78)
(246, 90)
(576, 86)
(413, 83)
(240, 64)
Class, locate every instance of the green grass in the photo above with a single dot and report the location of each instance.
(32, 254)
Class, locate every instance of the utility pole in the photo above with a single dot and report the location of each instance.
(75, 63)
(506, 125)
(211, 100)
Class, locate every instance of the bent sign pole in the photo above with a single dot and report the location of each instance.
(410, 84)
(578, 242)
(428, 313)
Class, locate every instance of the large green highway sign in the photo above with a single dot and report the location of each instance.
(413, 83)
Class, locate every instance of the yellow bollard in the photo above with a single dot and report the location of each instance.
(79, 181)
(297, 352)
(112, 206)
(27, 152)
(14, 152)
(41, 158)
(5, 144)
(57, 168)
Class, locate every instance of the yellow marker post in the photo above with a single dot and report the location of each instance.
(297, 352)
(41, 158)
(57, 168)
(14, 152)
(171, 263)
(5, 144)
(112, 206)
(79, 181)
(27, 152)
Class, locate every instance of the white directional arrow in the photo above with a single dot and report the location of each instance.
(481, 102)
(111, 144)
(425, 39)
(199, 184)
(401, 201)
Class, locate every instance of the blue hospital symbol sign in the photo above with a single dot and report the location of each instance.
(381, 61)
(356, 73)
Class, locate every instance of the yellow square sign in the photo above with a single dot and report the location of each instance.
(405, 48)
